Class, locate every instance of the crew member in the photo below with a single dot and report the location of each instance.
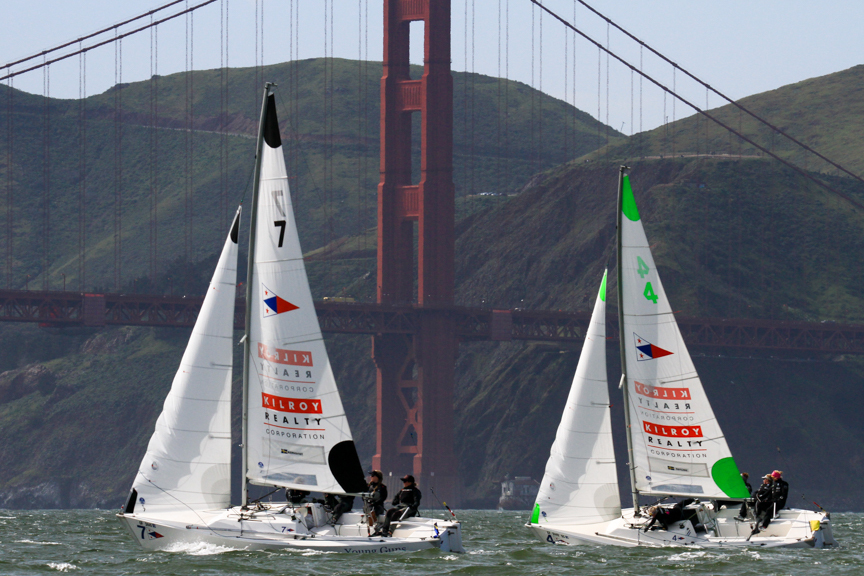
(780, 491)
(374, 502)
(669, 515)
(405, 504)
(764, 503)
(339, 507)
(745, 476)
(296, 496)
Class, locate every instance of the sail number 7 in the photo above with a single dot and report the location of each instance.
(281, 225)
(643, 270)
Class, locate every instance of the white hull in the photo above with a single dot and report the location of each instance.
(791, 529)
(278, 526)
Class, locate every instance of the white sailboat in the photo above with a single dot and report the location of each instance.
(674, 442)
(295, 432)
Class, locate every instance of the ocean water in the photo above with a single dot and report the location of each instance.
(94, 542)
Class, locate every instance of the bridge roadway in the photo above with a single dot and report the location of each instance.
(58, 309)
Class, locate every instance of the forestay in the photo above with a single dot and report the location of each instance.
(298, 436)
(678, 445)
(188, 461)
(580, 485)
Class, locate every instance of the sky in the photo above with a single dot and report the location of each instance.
(740, 47)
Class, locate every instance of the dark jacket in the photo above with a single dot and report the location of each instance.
(377, 494)
(779, 493)
(408, 497)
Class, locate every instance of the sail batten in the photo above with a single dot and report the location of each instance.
(678, 446)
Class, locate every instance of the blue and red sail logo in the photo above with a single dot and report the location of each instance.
(647, 351)
(274, 304)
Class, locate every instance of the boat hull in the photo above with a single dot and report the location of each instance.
(792, 529)
(283, 527)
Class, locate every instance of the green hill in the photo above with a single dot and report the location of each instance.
(731, 238)
(826, 113)
(187, 170)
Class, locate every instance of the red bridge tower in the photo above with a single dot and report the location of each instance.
(415, 373)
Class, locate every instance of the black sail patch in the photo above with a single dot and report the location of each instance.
(345, 466)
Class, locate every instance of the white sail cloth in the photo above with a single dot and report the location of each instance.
(678, 446)
(188, 461)
(580, 485)
(298, 435)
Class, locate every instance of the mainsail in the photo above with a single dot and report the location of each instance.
(297, 433)
(678, 446)
(188, 461)
(581, 485)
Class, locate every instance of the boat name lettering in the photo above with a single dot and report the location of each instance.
(381, 550)
(279, 356)
(672, 431)
(287, 420)
(664, 393)
(297, 405)
(266, 370)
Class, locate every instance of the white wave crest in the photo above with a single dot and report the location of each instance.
(62, 566)
(196, 548)
(35, 542)
(8, 517)
(686, 556)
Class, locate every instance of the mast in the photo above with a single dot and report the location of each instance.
(249, 267)
(621, 343)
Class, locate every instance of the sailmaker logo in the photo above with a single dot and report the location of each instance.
(274, 304)
(647, 351)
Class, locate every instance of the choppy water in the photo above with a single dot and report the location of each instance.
(93, 542)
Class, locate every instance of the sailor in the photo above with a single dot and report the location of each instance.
(745, 476)
(405, 504)
(374, 502)
(764, 502)
(780, 491)
(338, 506)
(669, 515)
(296, 496)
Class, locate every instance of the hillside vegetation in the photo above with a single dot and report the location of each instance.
(731, 238)
(125, 166)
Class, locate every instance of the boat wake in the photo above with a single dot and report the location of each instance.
(197, 548)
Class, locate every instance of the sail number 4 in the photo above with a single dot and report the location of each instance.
(643, 269)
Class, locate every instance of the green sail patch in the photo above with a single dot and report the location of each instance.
(726, 475)
(628, 202)
(535, 515)
(603, 287)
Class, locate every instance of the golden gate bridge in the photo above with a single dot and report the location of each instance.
(415, 323)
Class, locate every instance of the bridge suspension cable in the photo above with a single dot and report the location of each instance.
(723, 96)
(119, 36)
(802, 171)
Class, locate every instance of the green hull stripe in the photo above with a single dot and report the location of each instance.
(628, 203)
